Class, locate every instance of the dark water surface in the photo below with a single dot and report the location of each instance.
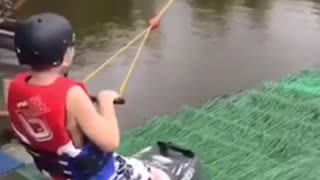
(203, 48)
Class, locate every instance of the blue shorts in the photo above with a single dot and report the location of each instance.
(125, 169)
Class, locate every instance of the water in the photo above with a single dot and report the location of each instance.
(203, 48)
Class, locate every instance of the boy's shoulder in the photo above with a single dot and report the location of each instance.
(74, 83)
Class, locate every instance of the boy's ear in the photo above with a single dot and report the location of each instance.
(68, 57)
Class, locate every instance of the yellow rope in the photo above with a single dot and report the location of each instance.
(125, 81)
(165, 8)
(108, 61)
(146, 33)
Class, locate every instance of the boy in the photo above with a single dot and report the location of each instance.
(53, 116)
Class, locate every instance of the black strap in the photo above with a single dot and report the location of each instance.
(165, 147)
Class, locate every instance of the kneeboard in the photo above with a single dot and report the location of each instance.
(178, 163)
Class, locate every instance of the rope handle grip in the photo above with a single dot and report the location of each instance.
(118, 101)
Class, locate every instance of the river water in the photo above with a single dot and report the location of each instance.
(203, 48)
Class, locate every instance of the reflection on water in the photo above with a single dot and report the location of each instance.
(259, 12)
(203, 48)
(85, 16)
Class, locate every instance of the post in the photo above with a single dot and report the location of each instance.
(1, 90)
(4, 83)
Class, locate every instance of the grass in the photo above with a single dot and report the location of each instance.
(270, 132)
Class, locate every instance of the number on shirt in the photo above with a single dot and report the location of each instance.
(36, 128)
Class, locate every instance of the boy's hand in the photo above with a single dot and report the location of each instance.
(107, 96)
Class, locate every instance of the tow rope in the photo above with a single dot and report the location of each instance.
(154, 23)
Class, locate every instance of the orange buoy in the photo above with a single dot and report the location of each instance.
(154, 22)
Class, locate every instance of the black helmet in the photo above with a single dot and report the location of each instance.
(43, 39)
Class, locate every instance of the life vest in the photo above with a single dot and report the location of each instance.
(38, 115)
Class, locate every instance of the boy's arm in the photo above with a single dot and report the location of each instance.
(101, 129)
